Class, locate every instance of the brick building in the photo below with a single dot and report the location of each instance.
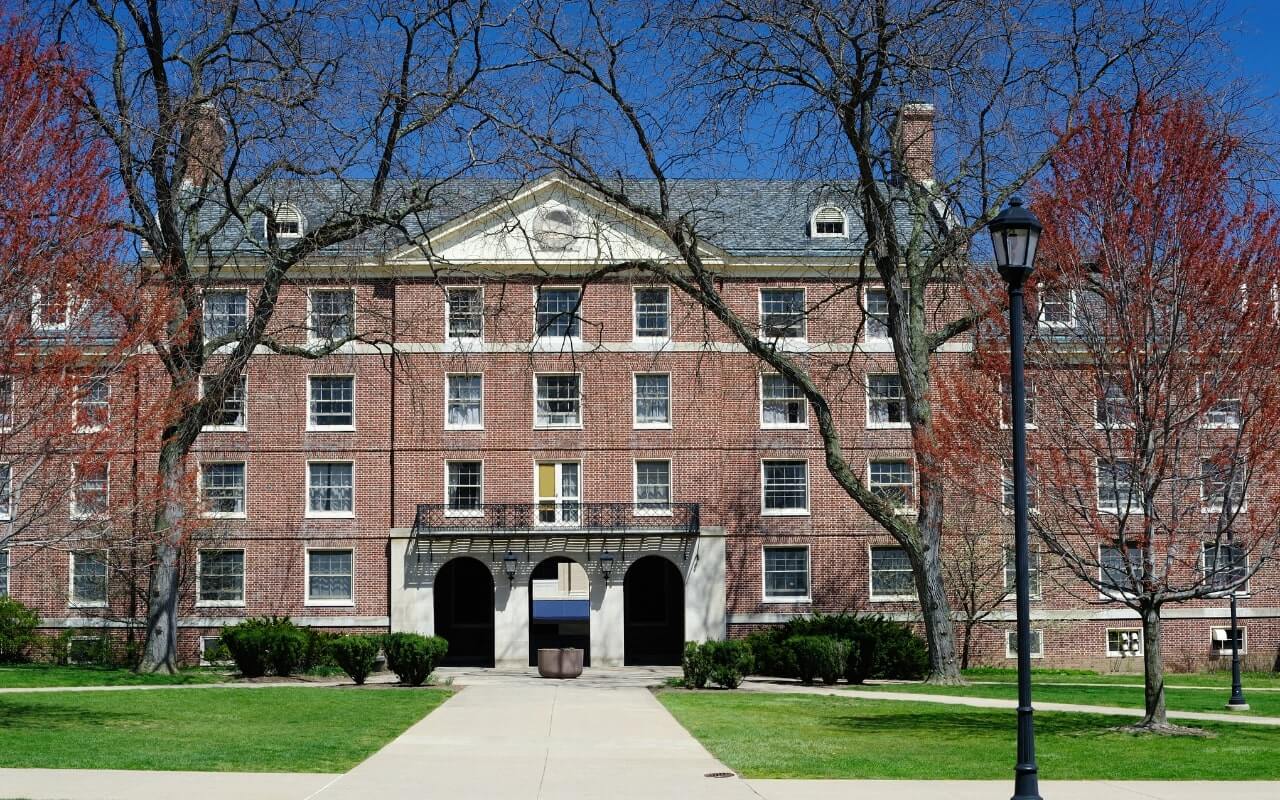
(513, 457)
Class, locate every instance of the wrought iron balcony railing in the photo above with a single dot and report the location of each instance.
(559, 518)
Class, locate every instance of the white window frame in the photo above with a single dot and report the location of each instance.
(72, 602)
(6, 498)
(844, 224)
(1029, 384)
(581, 404)
(808, 489)
(244, 579)
(244, 390)
(306, 579)
(463, 512)
(1225, 652)
(544, 338)
(1006, 482)
(635, 402)
(635, 314)
(1011, 641)
(764, 577)
(75, 511)
(77, 402)
(1035, 576)
(449, 376)
(866, 387)
(557, 499)
(1115, 593)
(804, 314)
(288, 208)
(41, 325)
(8, 402)
(448, 314)
(312, 426)
(1121, 653)
(204, 647)
(312, 338)
(868, 317)
(1242, 591)
(871, 583)
(1133, 496)
(200, 470)
(6, 573)
(906, 509)
(1214, 505)
(775, 426)
(1045, 325)
(314, 514)
(204, 308)
(643, 511)
(1101, 405)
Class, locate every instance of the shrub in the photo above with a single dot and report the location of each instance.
(413, 657)
(879, 647)
(355, 654)
(769, 655)
(17, 630)
(730, 662)
(696, 666)
(318, 650)
(818, 656)
(265, 643)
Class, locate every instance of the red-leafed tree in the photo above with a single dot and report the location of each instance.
(1153, 358)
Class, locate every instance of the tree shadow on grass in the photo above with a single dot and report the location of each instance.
(17, 716)
(956, 723)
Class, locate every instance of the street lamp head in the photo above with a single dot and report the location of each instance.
(606, 565)
(509, 562)
(1015, 234)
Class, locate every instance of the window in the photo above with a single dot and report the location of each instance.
(559, 401)
(1124, 642)
(1113, 409)
(226, 313)
(892, 481)
(1006, 485)
(1223, 414)
(89, 495)
(559, 493)
(4, 573)
(51, 309)
(1222, 486)
(213, 652)
(558, 313)
(891, 575)
(653, 401)
(232, 415)
(220, 578)
(1057, 309)
(332, 403)
(465, 311)
(1011, 644)
(886, 406)
(464, 488)
(1117, 489)
(332, 315)
(92, 406)
(786, 574)
(6, 492)
(1226, 567)
(555, 229)
(222, 487)
(782, 313)
(1115, 566)
(330, 489)
(464, 402)
(6, 403)
(877, 321)
(88, 579)
(782, 404)
(653, 487)
(786, 487)
(653, 312)
(1006, 402)
(329, 578)
(287, 223)
(1011, 572)
(828, 221)
(1222, 641)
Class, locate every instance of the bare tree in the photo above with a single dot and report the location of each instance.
(975, 556)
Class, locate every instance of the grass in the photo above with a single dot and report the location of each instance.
(33, 676)
(1269, 680)
(815, 736)
(278, 729)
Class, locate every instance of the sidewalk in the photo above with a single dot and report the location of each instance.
(120, 784)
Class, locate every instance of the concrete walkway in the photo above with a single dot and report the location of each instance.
(123, 784)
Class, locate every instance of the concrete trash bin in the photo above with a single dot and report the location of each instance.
(560, 662)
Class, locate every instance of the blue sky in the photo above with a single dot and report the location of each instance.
(1255, 34)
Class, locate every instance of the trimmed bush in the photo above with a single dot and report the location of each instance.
(17, 630)
(413, 657)
(317, 652)
(696, 666)
(879, 647)
(263, 644)
(818, 657)
(769, 655)
(731, 661)
(355, 654)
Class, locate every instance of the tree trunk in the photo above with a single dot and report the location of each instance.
(939, 633)
(964, 648)
(1153, 670)
(160, 651)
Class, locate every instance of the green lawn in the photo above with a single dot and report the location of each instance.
(1220, 680)
(33, 676)
(813, 736)
(1260, 703)
(278, 729)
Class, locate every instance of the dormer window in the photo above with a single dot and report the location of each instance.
(50, 309)
(288, 223)
(828, 222)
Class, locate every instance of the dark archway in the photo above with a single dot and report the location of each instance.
(653, 609)
(559, 607)
(463, 596)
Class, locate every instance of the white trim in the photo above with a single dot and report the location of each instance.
(205, 662)
(871, 591)
(244, 578)
(1001, 383)
(1242, 591)
(71, 580)
(306, 578)
(582, 406)
(813, 222)
(200, 465)
(1070, 324)
(314, 428)
(786, 512)
(557, 500)
(461, 341)
(289, 208)
(6, 510)
(635, 399)
(37, 321)
(228, 289)
(74, 511)
(1225, 652)
(808, 569)
(883, 343)
(866, 388)
(635, 489)
(575, 343)
(1132, 496)
(1010, 636)
(1217, 505)
(311, 290)
(911, 464)
(779, 426)
(635, 315)
(1106, 643)
(76, 402)
(479, 512)
(11, 402)
(309, 513)
(803, 338)
(244, 382)
(447, 425)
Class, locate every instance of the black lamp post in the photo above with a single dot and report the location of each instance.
(1015, 233)
(509, 562)
(1237, 701)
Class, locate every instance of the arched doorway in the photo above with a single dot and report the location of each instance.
(463, 595)
(653, 613)
(559, 607)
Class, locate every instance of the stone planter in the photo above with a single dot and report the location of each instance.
(560, 662)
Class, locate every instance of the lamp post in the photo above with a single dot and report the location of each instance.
(1237, 701)
(1015, 233)
(509, 562)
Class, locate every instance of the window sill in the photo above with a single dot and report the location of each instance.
(888, 426)
(1124, 655)
(1210, 510)
(225, 515)
(95, 429)
(330, 515)
(1220, 427)
(330, 603)
(89, 517)
(85, 604)
(331, 428)
(1119, 426)
(225, 429)
(652, 426)
(545, 427)
(790, 600)
(1241, 594)
(1011, 656)
(1029, 426)
(464, 514)
(893, 598)
(464, 427)
(788, 427)
(219, 604)
(775, 512)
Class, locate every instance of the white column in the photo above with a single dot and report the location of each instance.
(607, 622)
(412, 603)
(704, 590)
(511, 619)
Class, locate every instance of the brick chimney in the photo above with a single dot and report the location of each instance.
(204, 144)
(913, 144)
